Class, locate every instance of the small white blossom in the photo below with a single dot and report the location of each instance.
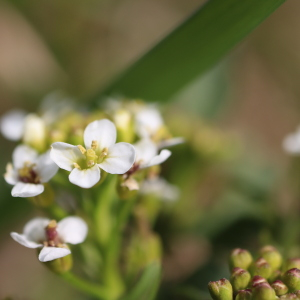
(147, 154)
(291, 143)
(160, 188)
(52, 237)
(29, 171)
(101, 152)
(12, 124)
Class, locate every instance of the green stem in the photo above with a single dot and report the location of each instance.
(86, 287)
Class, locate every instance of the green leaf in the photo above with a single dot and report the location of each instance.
(191, 49)
(146, 288)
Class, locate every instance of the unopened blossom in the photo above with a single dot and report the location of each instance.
(101, 152)
(51, 236)
(12, 124)
(28, 171)
(291, 143)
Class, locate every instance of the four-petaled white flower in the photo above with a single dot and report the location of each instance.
(29, 171)
(291, 143)
(147, 154)
(51, 236)
(100, 152)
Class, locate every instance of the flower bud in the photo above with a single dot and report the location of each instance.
(263, 291)
(262, 268)
(290, 296)
(292, 279)
(291, 263)
(257, 280)
(272, 256)
(275, 276)
(220, 290)
(279, 287)
(127, 188)
(60, 265)
(240, 258)
(240, 279)
(244, 295)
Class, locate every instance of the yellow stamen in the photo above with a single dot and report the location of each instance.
(82, 149)
(94, 145)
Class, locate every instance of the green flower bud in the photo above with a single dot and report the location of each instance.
(292, 279)
(244, 295)
(291, 263)
(240, 279)
(290, 296)
(263, 291)
(220, 290)
(272, 256)
(127, 188)
(240, 258)
(279, 287)
(257, 280)
(262, 268)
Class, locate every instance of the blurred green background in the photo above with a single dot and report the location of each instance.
(238, 186)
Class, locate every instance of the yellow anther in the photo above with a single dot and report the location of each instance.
(76, 165)
(82, 149)
(94, 145)
(52, 224)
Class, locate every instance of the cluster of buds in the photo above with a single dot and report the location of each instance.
(268, 277)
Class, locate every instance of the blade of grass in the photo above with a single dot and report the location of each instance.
(191, 49)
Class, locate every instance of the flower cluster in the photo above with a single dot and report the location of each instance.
(269, 277)
(125, 139)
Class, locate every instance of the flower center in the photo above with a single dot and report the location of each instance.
(52, 235)
(27, 174)
(92, 156)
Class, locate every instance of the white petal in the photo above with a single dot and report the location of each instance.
(65, 155)
(22, 239)
(11, 176)
(23, 154)
(171, 142)
(102, 131)
(51, 253)
(291, 143)
(119, 160)
(145, 151)
(85, 178)
(148, 121)
(72, 230)
(12, 124)
(46, 167)
(34, 230)
(158, 159)
(27, 190)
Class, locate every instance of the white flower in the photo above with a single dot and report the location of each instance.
(100, 152)
(52, 236)
(291, 143)
(148, 122)
(160, 188)
(147, 154)
(12, 124)
(29, 171)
